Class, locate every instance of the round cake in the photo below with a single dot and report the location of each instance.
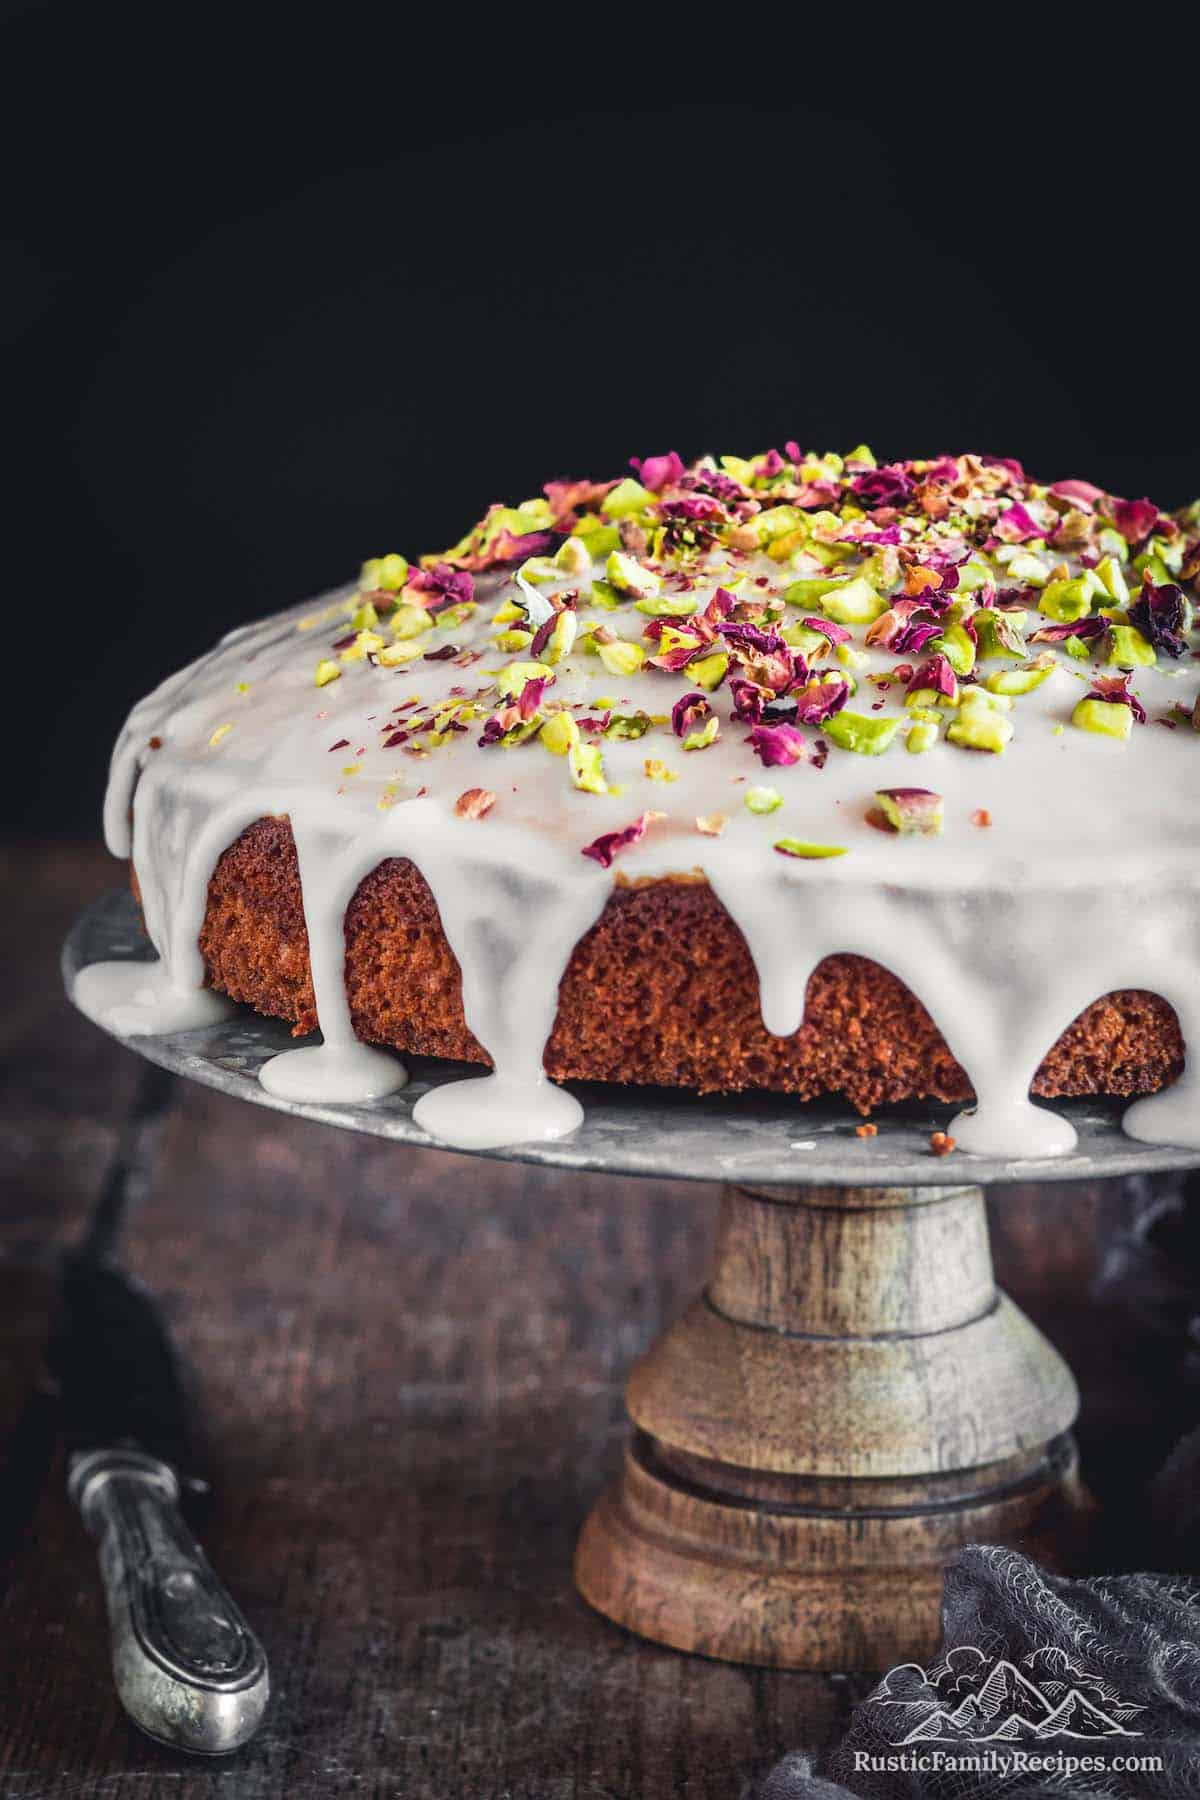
(794, 772)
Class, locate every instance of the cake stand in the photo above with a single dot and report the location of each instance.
(848, 1402)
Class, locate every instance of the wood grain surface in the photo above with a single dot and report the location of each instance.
(411, 1368)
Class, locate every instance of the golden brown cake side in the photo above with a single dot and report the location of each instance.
(662, 990)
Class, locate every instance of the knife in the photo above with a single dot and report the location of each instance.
(189, 1670)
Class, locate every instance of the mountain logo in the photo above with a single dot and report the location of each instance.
(970, 1697)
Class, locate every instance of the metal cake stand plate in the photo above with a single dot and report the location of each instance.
(652, 1132)
(848, 1402)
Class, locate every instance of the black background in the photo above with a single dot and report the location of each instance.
(279, 294)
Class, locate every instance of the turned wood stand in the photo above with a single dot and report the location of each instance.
(848, 1402)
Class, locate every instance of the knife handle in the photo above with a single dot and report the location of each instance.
(189, 1670)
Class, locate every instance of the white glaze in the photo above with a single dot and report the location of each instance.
(1086, 881)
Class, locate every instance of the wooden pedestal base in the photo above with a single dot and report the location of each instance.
(848, 1403)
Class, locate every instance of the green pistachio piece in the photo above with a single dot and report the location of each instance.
(626, 574)
(980, 728)
(763, 799)
(1148, 563)
(922, 700)
(629, 496)
(1019, 681)
(1128, 649)
(956, 646)
(973, 575)
(562, 636)
(1029, 569)
(629, 725)
(1077, 647)
(587, 767)
(1110, 573)
(705, 735)
(859, 732)
(810, 852)
(511, 680)
(1109, 718)
(668, 606)
(621, 658)
(410, 621)
(921, 736)
(855, 603)
(708, 672)
(387, 572)
(998, 633)
(559, 733)
(813, 645)
(1066, 601)
(573, 557)
(598, 538)
(811, 590)
(1111, 543)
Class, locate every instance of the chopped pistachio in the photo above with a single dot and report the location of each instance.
(668, 606)
(704, 735)
(394, 656)
(410, 621)
(387, 572)
(573, 557)
(1019, 681)
(861, 733)
(365, 644)
(655, 770)
(621, 657)
(1128, 649)
(708, 672)
(923, 735)
(559, 733)
(364, 617)
(1070, 599)
(539, 569)
(1110, 573)
(629, 496)
(850, 658)
(915, 812)
(1029, 569)
(811, 591)
(512, 641)
(762, 799)
(1109, 718)
(956, 646)
(980, 728)
(221, 732)
(587, 767)
(562, 637)
(711, 824)
(512, 679)
(795, 847)
(628, 725)
(998, 633)
(327, 671)
(855, 603)
(626, 575)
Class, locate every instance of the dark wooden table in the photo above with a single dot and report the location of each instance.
(411, 1367)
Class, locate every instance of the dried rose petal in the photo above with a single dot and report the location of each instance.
(610, 843)
(689, 711)
(778, 745)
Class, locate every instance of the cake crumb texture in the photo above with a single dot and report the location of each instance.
(662, 990)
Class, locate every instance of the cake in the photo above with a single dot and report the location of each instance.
(800, 773)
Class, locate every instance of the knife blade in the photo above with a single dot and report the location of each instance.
(189, 1670)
